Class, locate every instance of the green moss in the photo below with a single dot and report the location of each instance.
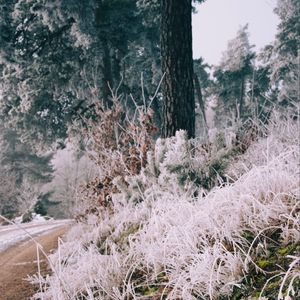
(149, 291)
(256, 294)
(286, 250)
(272, 287)
(263, 263)
(274, 259)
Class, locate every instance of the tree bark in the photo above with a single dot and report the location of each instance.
(177, 65)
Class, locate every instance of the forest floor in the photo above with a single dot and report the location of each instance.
(19, 261)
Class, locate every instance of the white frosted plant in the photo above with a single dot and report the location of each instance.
(176, 164)
(175, 244)
(168, 166)
(279, 139)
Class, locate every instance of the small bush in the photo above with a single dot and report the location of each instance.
(118, 144)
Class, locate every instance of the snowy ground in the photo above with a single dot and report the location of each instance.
(12, 234)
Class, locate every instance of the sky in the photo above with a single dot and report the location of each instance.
(218, 21)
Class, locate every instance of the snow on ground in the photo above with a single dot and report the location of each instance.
(35, 219)
(12, 234)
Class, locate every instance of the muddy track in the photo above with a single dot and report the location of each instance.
(19, 261)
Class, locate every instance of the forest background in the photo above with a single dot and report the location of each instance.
(60, 61)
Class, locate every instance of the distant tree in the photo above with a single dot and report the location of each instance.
(71, 173)
(276, 79)
(285, 55)
(262, 92)
(232, 74)
(9, 201)
(44, 202)
(20, 160)
(22, 173)
(288, 33)
(201, 83)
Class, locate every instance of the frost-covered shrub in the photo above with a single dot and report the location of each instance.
(186, 166)
(240, 240)
(118, 144)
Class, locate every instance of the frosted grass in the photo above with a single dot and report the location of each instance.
(176, 245)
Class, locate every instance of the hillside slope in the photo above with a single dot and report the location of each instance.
(170, 235)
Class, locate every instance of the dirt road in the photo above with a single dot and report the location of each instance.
(19, 261)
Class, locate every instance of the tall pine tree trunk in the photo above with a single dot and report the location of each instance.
(177, 65)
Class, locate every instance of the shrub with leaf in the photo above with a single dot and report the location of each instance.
(118, 143)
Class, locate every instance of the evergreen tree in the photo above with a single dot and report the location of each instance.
(57, 59)
(232, 75)
(285, 58)
(8, 193)
(37, 65)
(202, 83)
(23, 173)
